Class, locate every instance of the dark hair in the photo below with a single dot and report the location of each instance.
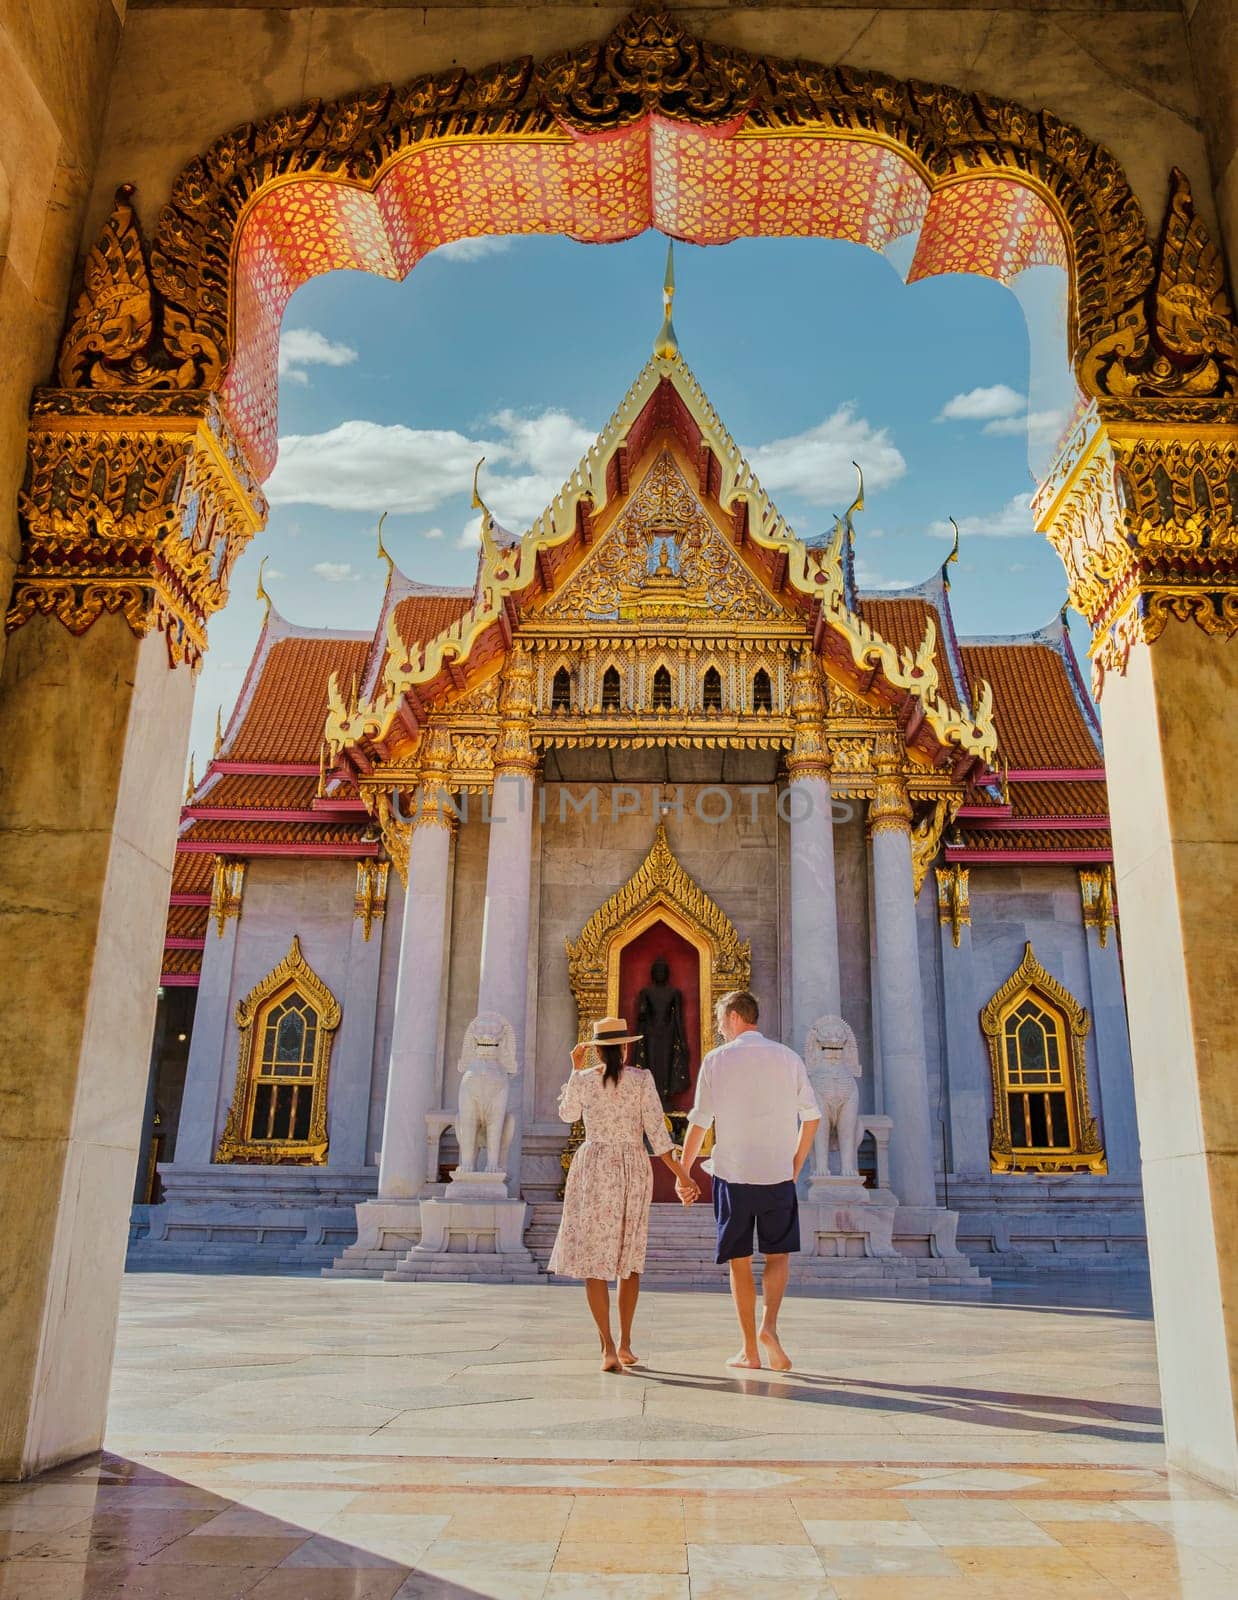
(743, 1004)
(612, 1061)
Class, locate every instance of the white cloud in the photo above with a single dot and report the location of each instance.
(474, 249)
(432, 533)
(816, 465)
(373, 466)
(1039, 425)
(1012, 521)
(979, 405)
(335, 571)
(305, 347)
(470, 534)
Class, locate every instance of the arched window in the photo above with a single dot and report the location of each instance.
(610, 689)
(661, 690)
(762, 691)
(279, 1108)
(711, 697)
(1036, 1032)
(561, 691)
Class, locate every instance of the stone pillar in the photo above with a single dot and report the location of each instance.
(151, 1109)
(1115, 1080)
(416, 1068)
(352, 1061)
(214, 1042)
(809, 807)
(1140, 507)
(900, 997)
(967, 1068)
(133, 512)
(503, 985)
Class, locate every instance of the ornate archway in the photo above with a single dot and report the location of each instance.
(145, 464)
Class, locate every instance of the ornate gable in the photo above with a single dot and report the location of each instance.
(663, 557)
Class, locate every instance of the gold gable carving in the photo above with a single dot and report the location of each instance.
(663, 557)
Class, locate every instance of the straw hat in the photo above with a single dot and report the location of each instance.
(612, 1030)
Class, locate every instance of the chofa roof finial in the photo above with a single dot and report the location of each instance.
(666, 345)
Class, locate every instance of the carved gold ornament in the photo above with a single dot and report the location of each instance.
(650, 66)
(370, 899)
(227, 890)
(267, 1083)
(1096, 893)
(926, 837)
(1070, 1024)
(132, 515)
(954, 900)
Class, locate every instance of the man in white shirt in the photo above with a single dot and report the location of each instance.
(756, 1093)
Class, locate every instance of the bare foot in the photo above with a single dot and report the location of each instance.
(751, 1360)
(779, 1360)
(610, 1360)
(628, 1356)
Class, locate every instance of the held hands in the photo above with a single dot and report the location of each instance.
(686, 1189)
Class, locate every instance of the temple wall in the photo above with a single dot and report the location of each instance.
(384, 1013)
(468, 904)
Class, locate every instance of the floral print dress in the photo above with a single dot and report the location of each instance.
(605, 1227)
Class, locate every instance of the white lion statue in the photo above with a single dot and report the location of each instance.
(833, 1061)
(487, 1065)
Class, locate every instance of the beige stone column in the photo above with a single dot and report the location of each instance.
(130, 525)
(1141, 509)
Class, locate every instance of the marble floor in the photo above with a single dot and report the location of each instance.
(300, 1439)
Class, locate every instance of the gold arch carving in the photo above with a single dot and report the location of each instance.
(293, 975)
(659, 888)
(179, 328)
(1030, 978)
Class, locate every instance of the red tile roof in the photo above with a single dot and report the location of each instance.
(1059, 799)
(288, 707)
(902, 621)
(254, 791)
(1039, 721)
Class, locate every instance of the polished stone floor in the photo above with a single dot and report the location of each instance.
(295, 1439)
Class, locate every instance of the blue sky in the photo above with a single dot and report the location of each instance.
(813, 352)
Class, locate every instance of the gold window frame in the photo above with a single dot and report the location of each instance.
(293, 975)
(1086, 1154)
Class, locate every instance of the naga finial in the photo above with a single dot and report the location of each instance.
(383, 553)
(261, 591)
(666, 345)
(954, 553)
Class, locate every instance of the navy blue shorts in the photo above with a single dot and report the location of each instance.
(772, 1209)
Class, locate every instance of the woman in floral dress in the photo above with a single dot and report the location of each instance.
(605, 1225)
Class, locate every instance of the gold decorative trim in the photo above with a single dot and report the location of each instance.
(1096, 892)
(227, 890)
(954, 899)
(926, 837)
(1086, 1152)
(292, 975)
(370, 899)
(138, 516)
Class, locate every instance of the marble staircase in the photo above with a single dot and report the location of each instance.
(681, 1255)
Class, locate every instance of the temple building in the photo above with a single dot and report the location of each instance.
(659, 728)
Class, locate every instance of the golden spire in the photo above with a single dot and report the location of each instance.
(488, 542)
(219, 730)
(383, 553)
(262, 589)
(666, 345)
(192, 783)
(953, 556)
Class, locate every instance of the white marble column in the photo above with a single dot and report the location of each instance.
(352, 1061)
(1111, 1035)
(212, 1045)
(900, 996)
(814, 915)
(970, 1081)
(504, 982)
(415, 1072)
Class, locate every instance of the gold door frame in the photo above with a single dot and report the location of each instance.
(659, 890)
